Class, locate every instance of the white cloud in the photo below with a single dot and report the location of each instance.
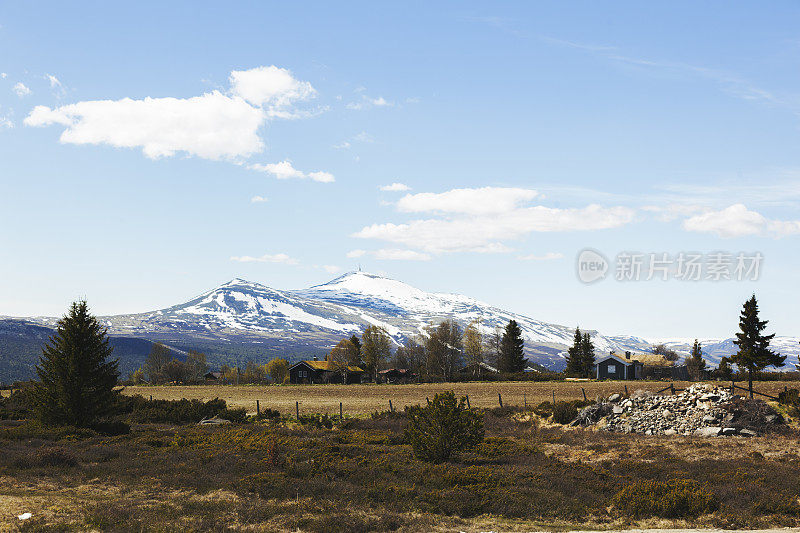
(344, 145)
(395, 187)
(5, 122)
(549, 256)
(482, 201)
(266, 258)
(284, 171)
(3, 75)
(271, 88)
(331, 269)
(353, 254)
(258, 199)
(738, 221)
(485, 233)
(21, 90)
(213, 126)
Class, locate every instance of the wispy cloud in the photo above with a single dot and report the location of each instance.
(390, 254)
(284, 171)
(395, 187)
(731, 83)
(258, 199)
(20, 89)
(549, 256)
(267, 258)
(368, 102)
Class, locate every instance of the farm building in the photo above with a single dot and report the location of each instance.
(322, 372)
(615, 366)
(476, 369)
(396, 375)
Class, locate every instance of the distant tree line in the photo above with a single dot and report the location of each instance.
(441, 352)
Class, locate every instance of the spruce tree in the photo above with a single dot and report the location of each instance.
(575, 355)
(356, 360)
(754, 353)
(76, 378)
(695, 364)
(587, 355)
(512, 354)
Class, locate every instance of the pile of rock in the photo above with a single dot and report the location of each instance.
(700, 410)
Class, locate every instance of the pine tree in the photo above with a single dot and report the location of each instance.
(695, 364)
(587, 355)
(76, 379)
(575, 355)
(356, 360)
(754, 353)
(724, 370)
(512, 355)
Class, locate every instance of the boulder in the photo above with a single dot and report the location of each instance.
(708, 431)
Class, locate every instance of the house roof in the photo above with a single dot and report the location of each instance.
(327, 366)
(481, 365)
(621, 359)
(398, 370)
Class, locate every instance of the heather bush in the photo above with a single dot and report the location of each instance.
(564, 412)
(443, 428)
(138, 409)
(677, 498)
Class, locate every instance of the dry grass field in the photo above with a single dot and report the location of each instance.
(365, 399)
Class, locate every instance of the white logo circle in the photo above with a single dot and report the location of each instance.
(592, 266)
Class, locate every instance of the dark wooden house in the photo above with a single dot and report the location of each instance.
(322, 372)
(614, 366)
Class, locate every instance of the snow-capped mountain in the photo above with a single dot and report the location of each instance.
(242, 317)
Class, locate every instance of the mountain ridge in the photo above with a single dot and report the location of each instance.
(241, 316)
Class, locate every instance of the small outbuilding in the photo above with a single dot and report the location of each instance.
(322, 372)
(477, 369)
(615, 366)
(396, 375)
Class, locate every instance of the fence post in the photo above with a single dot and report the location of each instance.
(554, 398)
(297, 409)
(500, 399)
(672, 388)
(525, 400)
(468, 406)
(151, 397)
(584, 394)
(428, 400)
(258, 409)
(733, 388)
(626, 390)
(750, 386)
(391, 407)
(341, 414)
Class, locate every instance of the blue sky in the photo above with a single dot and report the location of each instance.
(149, 152)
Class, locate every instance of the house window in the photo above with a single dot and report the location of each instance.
(612, 369)
(303, 374)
